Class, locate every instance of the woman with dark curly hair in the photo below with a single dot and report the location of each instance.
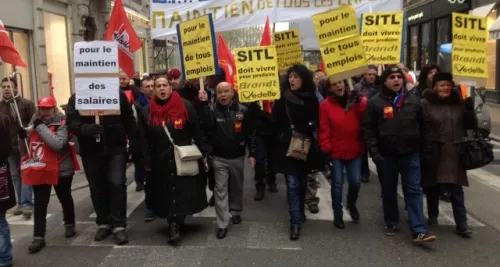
(425, 79)
(297, 108)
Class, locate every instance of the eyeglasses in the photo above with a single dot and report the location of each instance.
(396, 76)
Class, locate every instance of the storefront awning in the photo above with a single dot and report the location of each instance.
(482, 11)
(495, 30)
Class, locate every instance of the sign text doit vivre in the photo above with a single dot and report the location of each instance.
(257, 73)
(96, 76)
(469, 46)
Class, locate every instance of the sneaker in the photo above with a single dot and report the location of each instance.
(150, 216)
(236, 219)
(272, 188)
(259, 195)
(102, 233)
(313, 208)
(121, 237)
(433, 221)
(69, 230)
(139, 188)
(37, 245)
(391, 230)
(18, 211)
(27, 212)
(465, 232)
(423, 238)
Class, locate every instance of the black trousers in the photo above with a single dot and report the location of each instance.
(264, 159)
(108, 189)
(42, 198)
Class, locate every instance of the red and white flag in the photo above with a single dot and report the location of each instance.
(8, 51)
(226, 60)
(120, 30)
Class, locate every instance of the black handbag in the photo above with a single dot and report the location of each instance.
(476, 152)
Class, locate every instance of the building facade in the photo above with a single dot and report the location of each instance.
(44, 32)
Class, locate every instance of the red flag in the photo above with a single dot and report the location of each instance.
(226, 60)
(8, 51)
(267, 39)
(322, 66)
(120, 30)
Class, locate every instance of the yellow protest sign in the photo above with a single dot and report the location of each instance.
(469, 48)
(197, 47)
(340, 44)
(382, 34)
(257, 73)
(288, 48)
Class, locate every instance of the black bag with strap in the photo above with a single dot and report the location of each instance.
(476, 152)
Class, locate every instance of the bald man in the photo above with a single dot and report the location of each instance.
(230, 131)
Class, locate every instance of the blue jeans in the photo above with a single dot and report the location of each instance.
(409, 168)
(353, 170)
(24, 192)
(5, 244)
(296, 193)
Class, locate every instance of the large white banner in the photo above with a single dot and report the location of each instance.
(237, 14)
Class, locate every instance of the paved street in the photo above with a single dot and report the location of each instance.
(262, 238)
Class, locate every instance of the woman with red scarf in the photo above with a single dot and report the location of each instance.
(172, 197)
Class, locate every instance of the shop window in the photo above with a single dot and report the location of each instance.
(491, 52)
(22, 43)
(140, 56)
(56, 47)
(414, 47)
(425, 50)
(443, 36)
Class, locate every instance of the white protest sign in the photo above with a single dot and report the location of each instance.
(97, 83)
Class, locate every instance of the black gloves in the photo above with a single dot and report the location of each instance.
(22, 133)
(378, 159)
(469, 103)
(355, 97)
(92, 129)
(37, 122)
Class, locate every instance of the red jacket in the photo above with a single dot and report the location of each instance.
(340, 131)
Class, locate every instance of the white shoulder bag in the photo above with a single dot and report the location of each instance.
(186, 157)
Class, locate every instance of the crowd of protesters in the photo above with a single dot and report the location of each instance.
(410, 130)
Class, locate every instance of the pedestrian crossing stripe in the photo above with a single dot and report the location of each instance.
(445, 210)
(21, 220)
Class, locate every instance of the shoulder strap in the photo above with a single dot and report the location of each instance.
(287, 111)
(165, 127)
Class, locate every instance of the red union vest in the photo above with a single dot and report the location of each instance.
(41, 164)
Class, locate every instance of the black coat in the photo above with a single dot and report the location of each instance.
(263, 121)
(304, 111)
(172, 195)
(392, 131)
(117, 128)
(5, 150)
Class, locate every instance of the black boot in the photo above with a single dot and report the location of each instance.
(354, 213)
(37, 245)
(338, 221)
(102, 233)
(174, 235)
(294, 232)
(273, 188)
(121, 237)
(211, 202)
(259, 195)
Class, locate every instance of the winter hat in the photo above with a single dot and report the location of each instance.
(174, 74)
(442, 76)
(387, 72)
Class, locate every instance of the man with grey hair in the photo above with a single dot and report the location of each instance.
(230, 131)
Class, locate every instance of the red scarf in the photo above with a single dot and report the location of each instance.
(173, 111)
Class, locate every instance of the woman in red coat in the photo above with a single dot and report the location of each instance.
(340, 136)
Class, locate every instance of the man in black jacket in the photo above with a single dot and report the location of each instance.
(395, 135)
(230, 130)
(105, 164)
